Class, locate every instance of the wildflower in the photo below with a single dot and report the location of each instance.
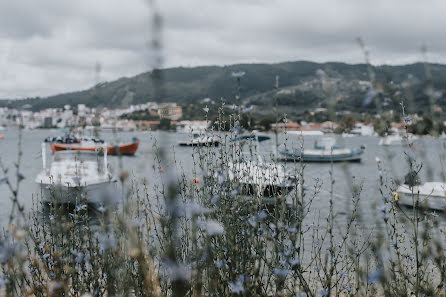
(6, 252)
(281, 272)
(215, 199)
(190, 209)
(257, 218)
(79, 257)
(176, 271)
(347, 288)
(374, 277)
(323, 292)
(220, 263)
(294, 261)
(106, 242)
(212, 227)
(236, 287)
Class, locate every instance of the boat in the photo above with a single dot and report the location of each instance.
(63, 139)
(250, 137)
(201, 140)
(258, 178)
(77, 176)
(430, 195)
(324, 150)
(396, 139)
(307, 132)
(128, 149)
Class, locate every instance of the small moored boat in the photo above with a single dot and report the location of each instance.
(77, 177)
(324, 150)
(128, 149)
(396, 139)
(201, 140)
(430, 195)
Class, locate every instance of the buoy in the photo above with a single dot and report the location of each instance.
(161, 170)
(196, 180)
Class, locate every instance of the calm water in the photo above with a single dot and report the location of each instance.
(430, 151)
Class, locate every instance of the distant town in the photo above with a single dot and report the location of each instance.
(170, 116)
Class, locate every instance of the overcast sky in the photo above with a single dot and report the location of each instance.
(53, 46)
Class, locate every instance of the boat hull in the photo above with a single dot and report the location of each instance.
(103, 193)
(431, 195)
(354, 156)
(125, 149)
(422, 201)
(189, 143)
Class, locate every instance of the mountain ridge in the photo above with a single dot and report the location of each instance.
(302, 79)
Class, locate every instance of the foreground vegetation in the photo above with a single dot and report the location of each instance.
(204, 235)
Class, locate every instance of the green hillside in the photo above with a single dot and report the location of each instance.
(303, 85)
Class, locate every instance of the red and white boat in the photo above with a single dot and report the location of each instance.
(127, 149)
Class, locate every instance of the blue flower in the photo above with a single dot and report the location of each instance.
(323, 292)
(236, 287)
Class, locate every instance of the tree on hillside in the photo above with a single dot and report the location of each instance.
(347, 122)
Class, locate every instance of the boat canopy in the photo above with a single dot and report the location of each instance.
(71, 155)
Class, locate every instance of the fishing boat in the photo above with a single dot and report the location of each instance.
(325, 150)
(430, 195)
(77, 176)
(128, 149)
(201, 140)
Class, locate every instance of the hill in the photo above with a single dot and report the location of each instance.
(303, 85)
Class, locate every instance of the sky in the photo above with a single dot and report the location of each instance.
(51, 46)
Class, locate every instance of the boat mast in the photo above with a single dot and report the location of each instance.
(105, 157)
(44, 156)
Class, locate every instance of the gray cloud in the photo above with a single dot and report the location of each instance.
(50, 46)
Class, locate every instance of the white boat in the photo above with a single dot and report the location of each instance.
(430, 195)
(306, 132)
(201, 140)
(262, 179)
(77, 176)
(325, 150)
(396, 139)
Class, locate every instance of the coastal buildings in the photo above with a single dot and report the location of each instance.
(170, 111)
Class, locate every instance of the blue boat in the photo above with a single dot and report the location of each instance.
(324, 150)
